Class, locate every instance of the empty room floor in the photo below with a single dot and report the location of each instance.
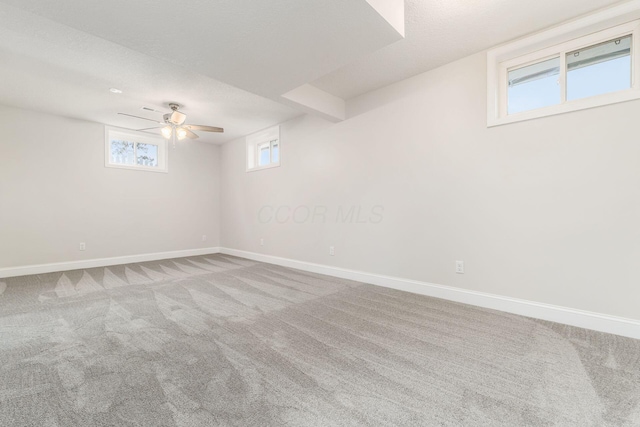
(219, 340)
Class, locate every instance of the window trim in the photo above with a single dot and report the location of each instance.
(141, 137)
(271, 144)
(256, 141)
(609, 24)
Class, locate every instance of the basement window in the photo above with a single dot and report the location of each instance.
(263, 149)
(592, 70)
(599, 69)
(126, 149)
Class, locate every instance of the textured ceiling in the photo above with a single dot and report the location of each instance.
(50, 67)
(441, 31)
(265, 47)
(62, 57)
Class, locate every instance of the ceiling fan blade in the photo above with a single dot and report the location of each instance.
(153, 110)
(191, 135)
(204, 128)
(155, 127)
(138, 117)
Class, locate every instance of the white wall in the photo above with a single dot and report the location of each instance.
(545, 210)
(55, 192)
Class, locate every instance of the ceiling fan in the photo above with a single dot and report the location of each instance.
(173, 124)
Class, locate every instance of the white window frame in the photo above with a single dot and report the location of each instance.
(600, 27)
(134, 136)
(256, 141)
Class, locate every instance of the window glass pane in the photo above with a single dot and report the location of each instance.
(275, 151)
(264, 155)
(534, 86)
(122, 152)
(147, 154)
(599, 69)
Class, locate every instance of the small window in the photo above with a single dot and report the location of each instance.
(599, 69)
(133, 150)
(593, 69)
(534, 86)
(596, 69)
(263, 149)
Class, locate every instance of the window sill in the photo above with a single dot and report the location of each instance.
(568, 107)
(137, 168)
(271, 166)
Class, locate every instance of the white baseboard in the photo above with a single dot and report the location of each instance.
(568, 316)
(101, 262)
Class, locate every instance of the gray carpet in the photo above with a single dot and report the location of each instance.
(223, 341)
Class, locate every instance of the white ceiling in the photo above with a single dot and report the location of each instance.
(265, 47)
(441, 31)
(53, 68)
(228, 61)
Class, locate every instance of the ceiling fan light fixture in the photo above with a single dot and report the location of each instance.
(178, 118)
(166, 132)
(181, 134)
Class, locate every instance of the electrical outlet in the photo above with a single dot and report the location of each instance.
(83, 246)
(204, 237)
(261, 242)
(332, 250)
(460, 267)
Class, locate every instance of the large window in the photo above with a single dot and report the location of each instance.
(593, 69)
(263, 149)
(134, 150)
